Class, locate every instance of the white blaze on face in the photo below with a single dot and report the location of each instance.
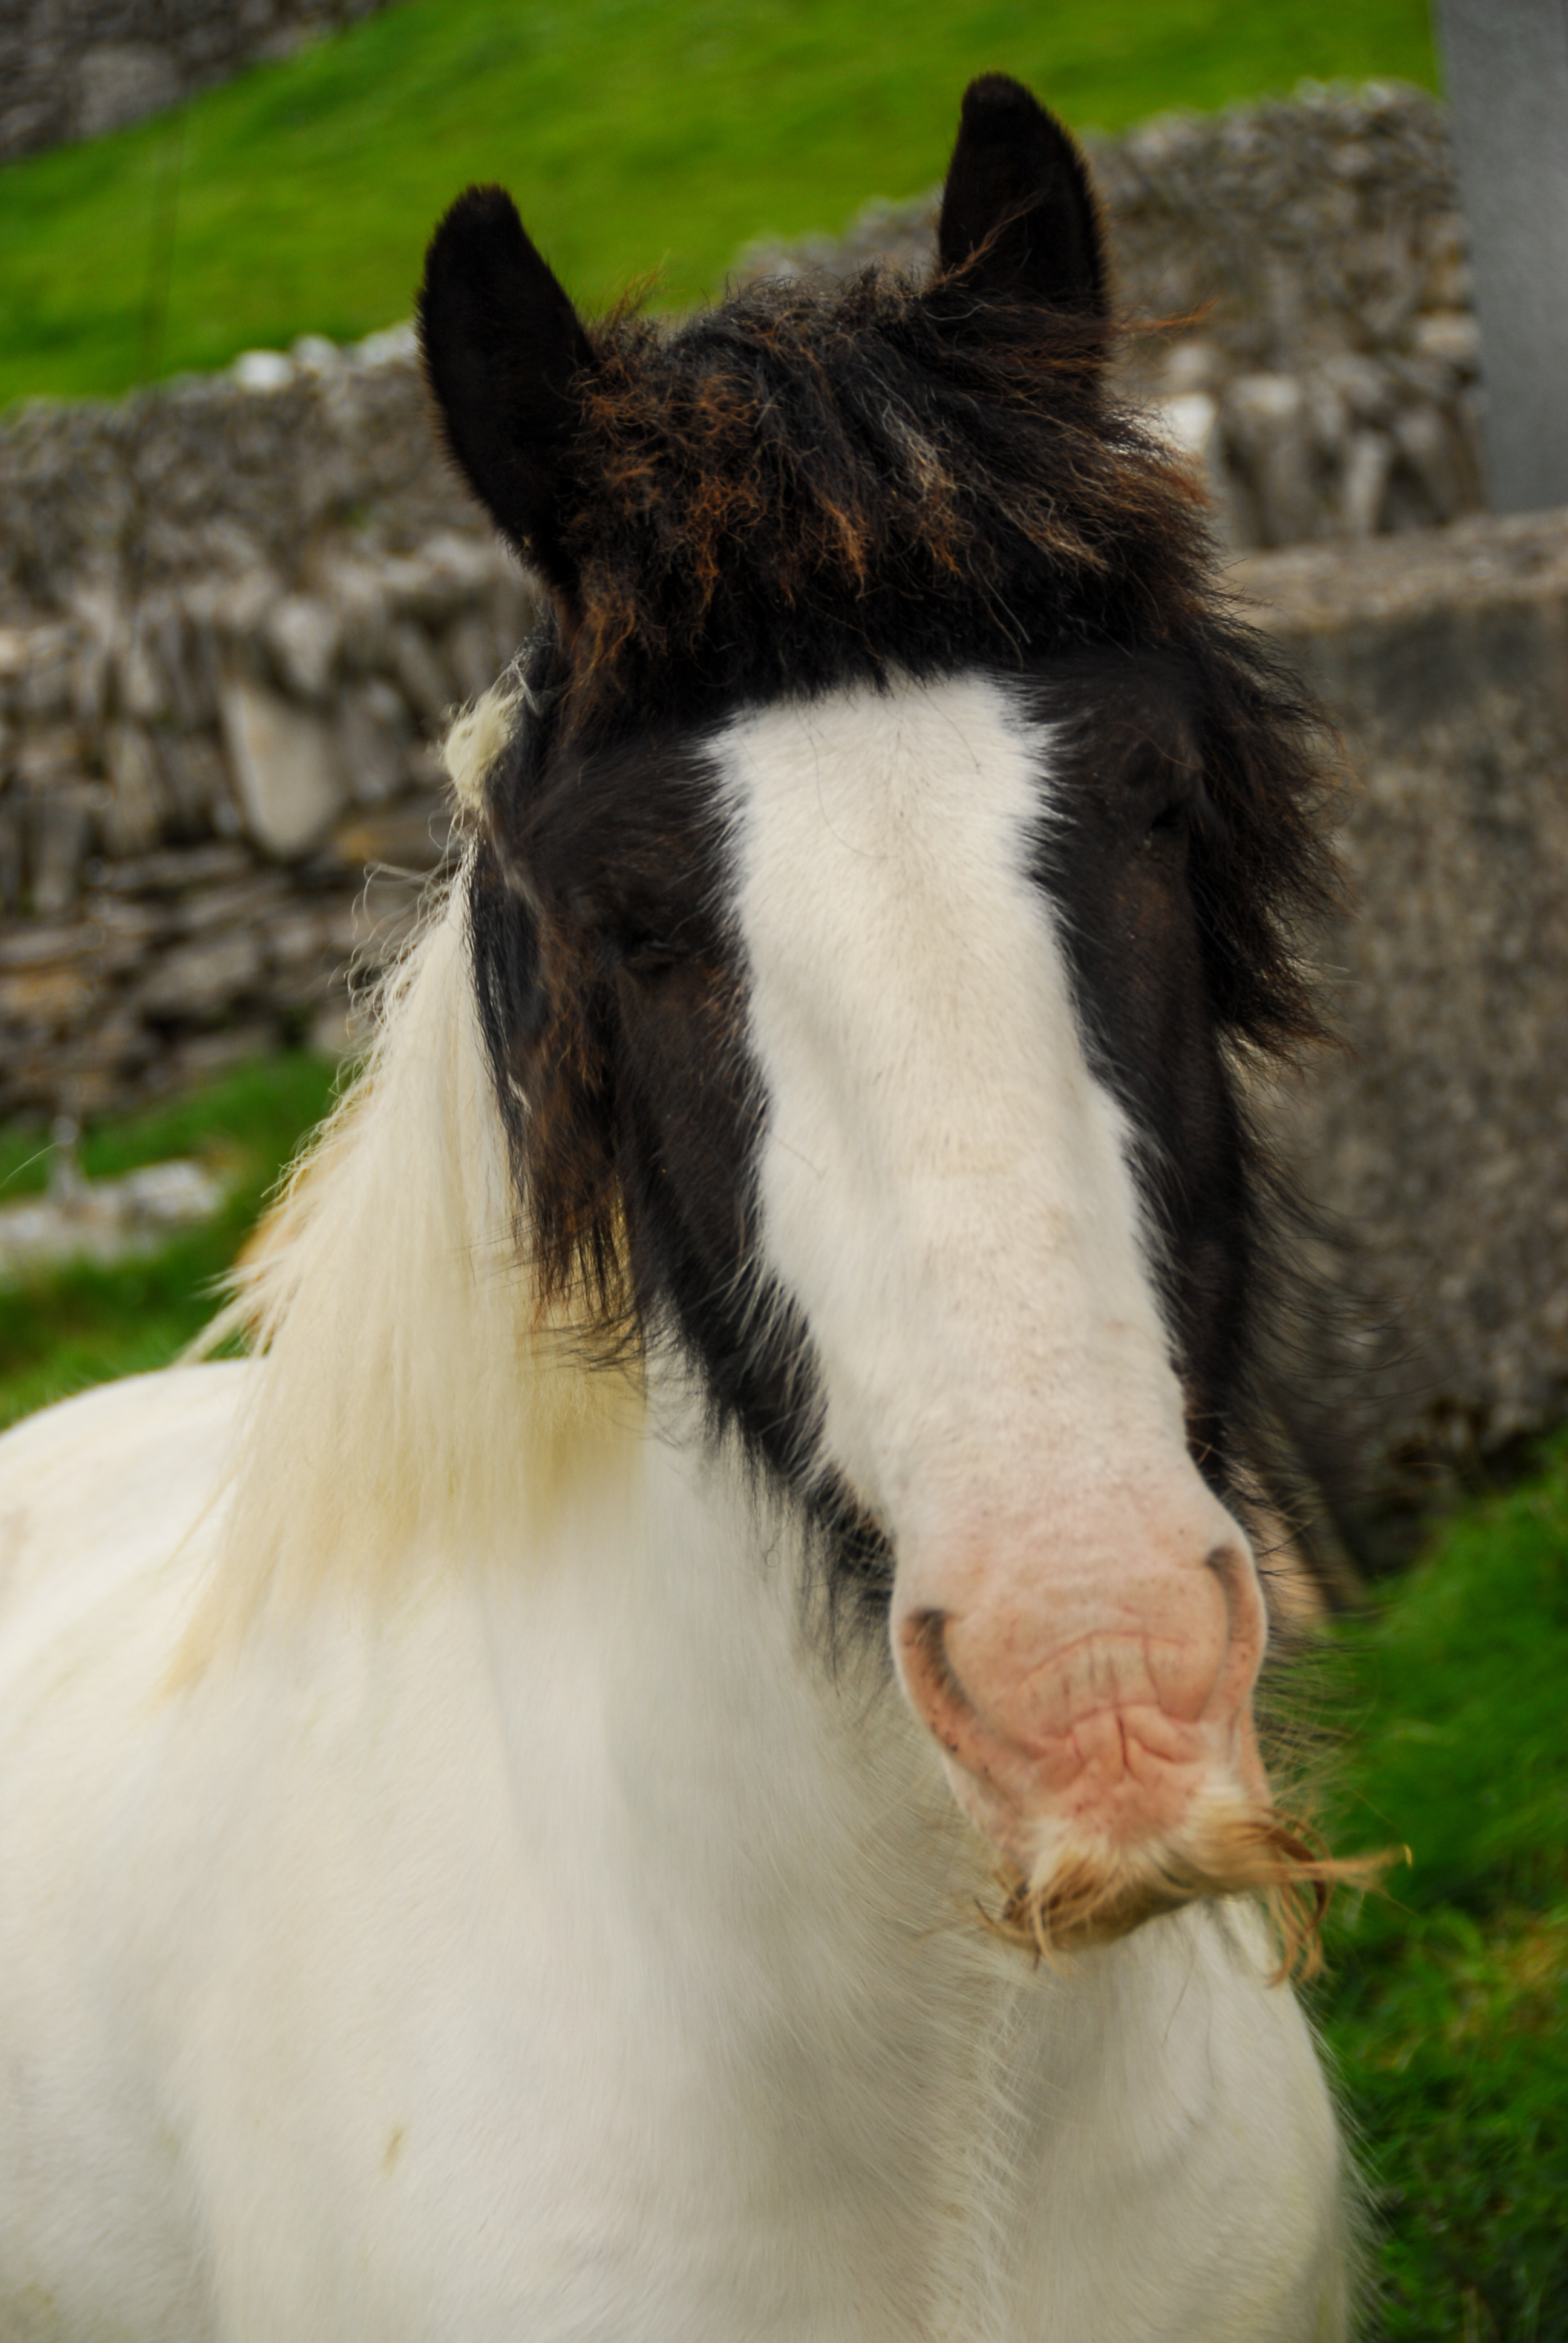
(944, 1190)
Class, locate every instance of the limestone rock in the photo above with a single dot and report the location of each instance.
(59, 829)
(196, 783)
(134, 817)
(1435, 1144)
(198, 983)
(285, 767)
(373, 738)
(119, 82)
(10, 857)
(305, 636)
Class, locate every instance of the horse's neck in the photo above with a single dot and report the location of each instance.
(749, 1762)
(771, 1832)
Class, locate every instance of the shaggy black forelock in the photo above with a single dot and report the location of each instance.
(817, 484)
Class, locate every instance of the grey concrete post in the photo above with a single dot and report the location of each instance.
(1507, 69)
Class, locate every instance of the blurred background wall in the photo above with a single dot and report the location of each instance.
(76, 68)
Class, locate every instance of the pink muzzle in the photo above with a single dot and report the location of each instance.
(1088, 1706)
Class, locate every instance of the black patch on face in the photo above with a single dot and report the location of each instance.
(613, 1008)
(1132, 833)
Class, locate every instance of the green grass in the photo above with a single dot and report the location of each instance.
(80, 1324)
(638, 136)
(1445, 2004)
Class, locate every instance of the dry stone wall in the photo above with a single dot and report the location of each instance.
(75, 68)
(1434, 1145)
(234, 619)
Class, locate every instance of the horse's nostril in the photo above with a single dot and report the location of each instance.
(1225, 1563)
(930, 1666)
(925, 1632)
(1232, 1567)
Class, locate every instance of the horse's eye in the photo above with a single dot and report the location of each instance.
(649, 955)
(1170, 826)
(651, 952)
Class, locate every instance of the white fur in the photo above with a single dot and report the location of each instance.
(442, 1898)
(944, 1185)
(945, 1190)
(475, 740)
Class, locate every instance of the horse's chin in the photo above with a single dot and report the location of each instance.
(1078, 1893)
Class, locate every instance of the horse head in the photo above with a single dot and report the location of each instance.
(891, 850)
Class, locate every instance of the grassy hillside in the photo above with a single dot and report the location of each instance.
(638, 137)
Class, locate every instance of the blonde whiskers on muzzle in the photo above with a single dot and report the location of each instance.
(1093, 1897)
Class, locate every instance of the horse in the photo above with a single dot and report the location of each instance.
(672, 1753)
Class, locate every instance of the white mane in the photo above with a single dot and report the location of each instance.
(412, 1401)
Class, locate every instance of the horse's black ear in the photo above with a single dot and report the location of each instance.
(502, 344)
(1018, 212)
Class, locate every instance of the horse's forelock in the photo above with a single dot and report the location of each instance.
(810, 484)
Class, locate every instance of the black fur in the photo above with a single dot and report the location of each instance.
(1017, 214)
(502, 348)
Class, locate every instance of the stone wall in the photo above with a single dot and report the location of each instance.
(232, 622)
(1436, 1145)
(233, 612)
(75, 68)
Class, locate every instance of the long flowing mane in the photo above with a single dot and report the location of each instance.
(415, 1395)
